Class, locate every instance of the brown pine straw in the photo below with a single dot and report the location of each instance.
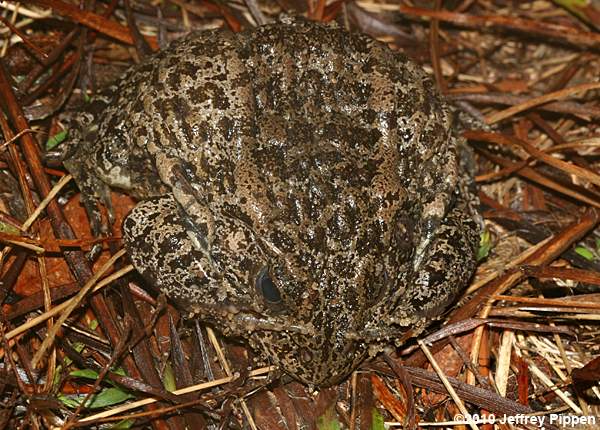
(185, 390)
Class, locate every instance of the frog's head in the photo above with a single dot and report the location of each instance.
(313, 304)
(313, 344)
(320, 265)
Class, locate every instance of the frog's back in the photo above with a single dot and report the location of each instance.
(281, 88)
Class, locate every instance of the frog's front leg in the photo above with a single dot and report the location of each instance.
(440, 272)
(167, 253)
(196, 216)
(446, 264)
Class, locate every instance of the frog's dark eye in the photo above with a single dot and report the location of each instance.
(266, 286)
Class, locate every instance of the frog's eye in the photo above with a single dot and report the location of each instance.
(266, 286)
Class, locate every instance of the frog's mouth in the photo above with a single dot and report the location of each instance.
(299, 349)
(385, 334)
(254, 323)
(247, 320)
(316, 360)
(237, 320)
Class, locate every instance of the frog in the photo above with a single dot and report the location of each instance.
(299, 186)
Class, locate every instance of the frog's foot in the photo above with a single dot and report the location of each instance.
(446, 263)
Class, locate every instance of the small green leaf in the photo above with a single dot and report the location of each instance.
(328, 421)
(106, 397)
(575, 6)
(573, 3)
(56, 139)
(78, 346)
(585, 253)
(169, 379)
(10, 229)
(93, 325)
(586, 10)
(378, 421)
(57, 376)
(84, 373)
(123, 425)
(68, 401)
(92, 374)
(485, 245)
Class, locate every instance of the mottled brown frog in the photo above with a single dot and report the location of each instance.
(299, 185)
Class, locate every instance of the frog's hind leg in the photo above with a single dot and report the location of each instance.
(448, 260)
(196, 215)
(79, 152)
(163, 251)
(447, 263)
